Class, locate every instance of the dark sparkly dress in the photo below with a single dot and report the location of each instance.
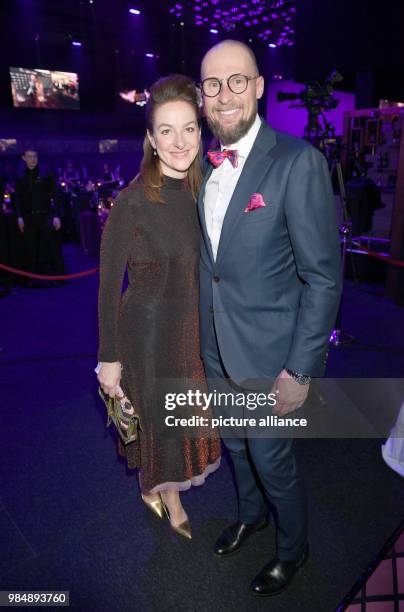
(153, 330)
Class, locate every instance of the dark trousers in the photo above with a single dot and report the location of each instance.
(265, 469)
(42, 245)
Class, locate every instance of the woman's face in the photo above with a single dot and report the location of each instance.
(176, 137)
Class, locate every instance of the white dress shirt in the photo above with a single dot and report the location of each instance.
(222, 183)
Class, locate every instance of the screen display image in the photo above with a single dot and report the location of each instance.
(8, 145)
(107, 146)
(38, 88)
(135, 97)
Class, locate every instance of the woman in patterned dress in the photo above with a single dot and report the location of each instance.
(149, 337)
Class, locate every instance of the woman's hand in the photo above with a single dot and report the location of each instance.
(109, 377)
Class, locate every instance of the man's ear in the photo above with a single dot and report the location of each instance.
(260, 87)
(151, 139)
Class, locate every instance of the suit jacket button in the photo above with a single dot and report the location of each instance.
(216, 279)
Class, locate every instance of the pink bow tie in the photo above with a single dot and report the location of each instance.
(216, 158)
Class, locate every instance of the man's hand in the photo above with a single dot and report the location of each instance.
(57, 224)
(20, 222)
(289, 394)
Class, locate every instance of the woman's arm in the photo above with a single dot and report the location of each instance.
(114, 251)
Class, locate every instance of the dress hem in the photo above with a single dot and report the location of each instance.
(186, 484)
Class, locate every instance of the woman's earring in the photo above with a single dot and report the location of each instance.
(155, 152)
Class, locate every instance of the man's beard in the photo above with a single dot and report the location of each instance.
(230, 135)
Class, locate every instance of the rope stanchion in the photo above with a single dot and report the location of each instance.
(48, 277)
(338, 337)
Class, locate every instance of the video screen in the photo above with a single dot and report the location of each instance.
(37, 88)
(135, 96)
(107, 146)
(8, 145)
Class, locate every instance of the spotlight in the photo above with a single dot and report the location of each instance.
(213, 31)
(76, 43)
(272, 45)
(134, 11)
(149, 54)
(228, 26)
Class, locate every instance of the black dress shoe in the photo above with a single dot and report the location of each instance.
(276, 576)
(234, 536)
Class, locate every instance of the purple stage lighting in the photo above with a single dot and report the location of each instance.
(134, 11)
(149, 54)
(254, 16)
(272, 45)
(76, 43)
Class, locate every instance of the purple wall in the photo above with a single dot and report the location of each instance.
(293, 121)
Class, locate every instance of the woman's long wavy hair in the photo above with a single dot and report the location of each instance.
(168, 89)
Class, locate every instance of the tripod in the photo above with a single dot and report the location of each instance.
(338, 336)
(323, 137)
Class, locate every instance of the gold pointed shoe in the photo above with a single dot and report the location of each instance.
(157, 506)
(184, 529)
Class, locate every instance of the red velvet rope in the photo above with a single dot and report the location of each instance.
(47, 277)
(388, 260)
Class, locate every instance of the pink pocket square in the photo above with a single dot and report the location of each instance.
(256, 201)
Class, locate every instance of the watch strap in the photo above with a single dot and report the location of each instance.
(302, 379)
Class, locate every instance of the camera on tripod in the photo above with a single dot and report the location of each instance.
(317, 99)
(314, 94)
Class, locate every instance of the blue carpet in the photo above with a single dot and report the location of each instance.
(71, 517)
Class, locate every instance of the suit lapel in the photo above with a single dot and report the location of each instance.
(256, 166)
(201, 210)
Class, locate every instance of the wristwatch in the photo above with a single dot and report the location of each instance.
(302, 379)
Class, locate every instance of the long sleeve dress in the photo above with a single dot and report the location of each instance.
(152, 329)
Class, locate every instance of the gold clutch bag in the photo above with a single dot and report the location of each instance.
(122, 414)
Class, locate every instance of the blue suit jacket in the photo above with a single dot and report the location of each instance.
(275, 286)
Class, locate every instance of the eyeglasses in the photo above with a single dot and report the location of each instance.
(237, 83)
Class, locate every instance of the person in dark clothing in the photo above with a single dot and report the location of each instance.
(270, 286)
(38, 218)
(107, 174)
(364, 198)
(5, 277)
(70, 176)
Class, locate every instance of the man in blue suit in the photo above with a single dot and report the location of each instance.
(270, 283)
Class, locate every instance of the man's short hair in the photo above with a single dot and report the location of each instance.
(31, 149)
